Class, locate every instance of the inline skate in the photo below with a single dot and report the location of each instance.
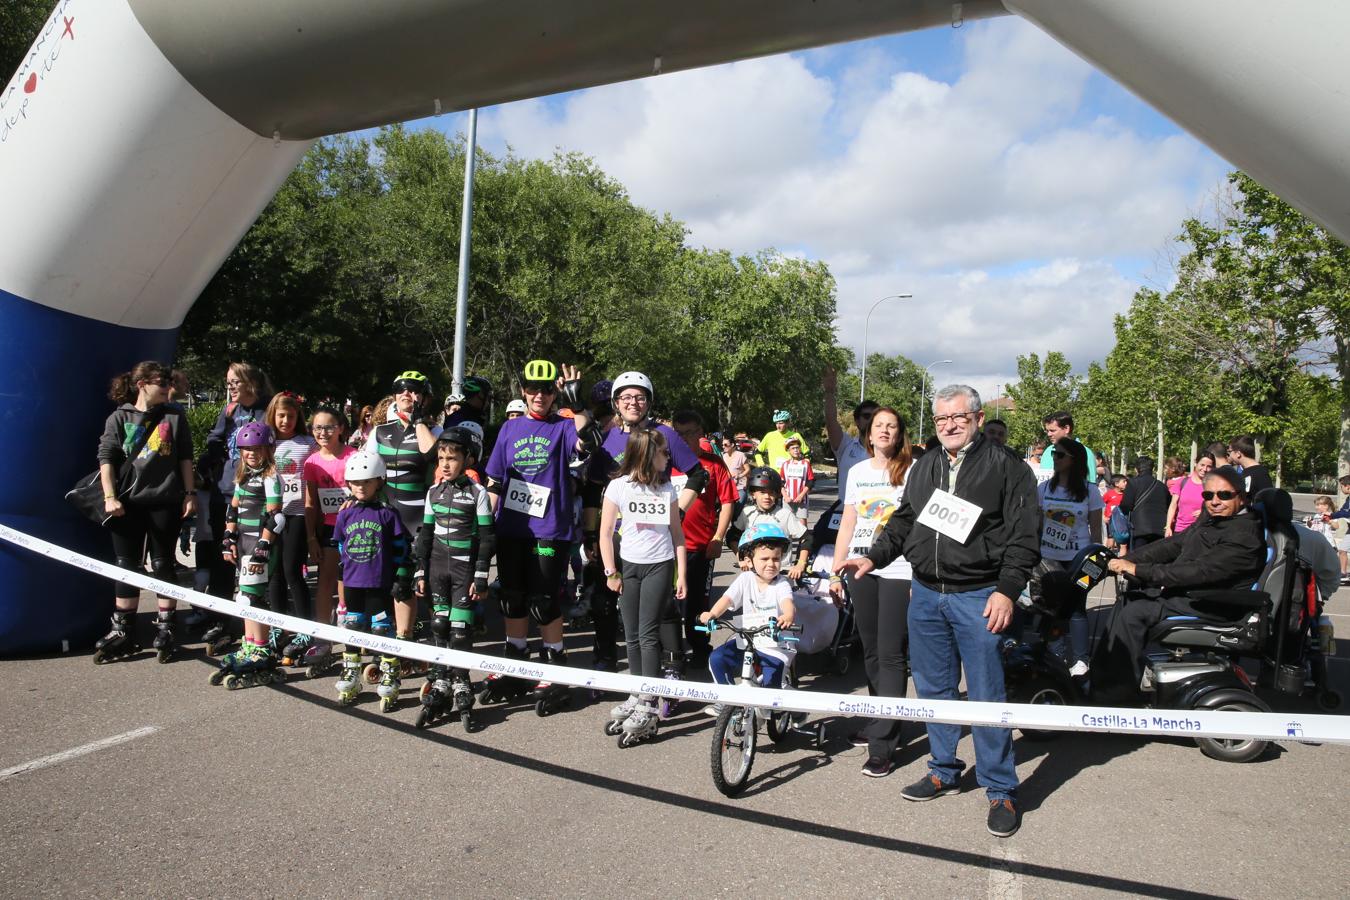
(549, 697)
(318, 659)
(120, 642)
(619, 714)
(641, 725)
(252, 664)
(293, 653)
(217, 638)
(164, 644)
(435, 696)
(391, 674)
(666, 706)
(498, 688)
(349, 680)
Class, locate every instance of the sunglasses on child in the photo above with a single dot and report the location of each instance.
(1222, 495)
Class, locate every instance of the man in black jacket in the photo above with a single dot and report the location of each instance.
(969, 524)
(1146, 503)
(1224, 550)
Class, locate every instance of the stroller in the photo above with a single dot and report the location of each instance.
(830, 636)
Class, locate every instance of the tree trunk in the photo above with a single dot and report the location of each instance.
(1160, 439)
(1343, 372)
(1195, 452)
(1279, 467)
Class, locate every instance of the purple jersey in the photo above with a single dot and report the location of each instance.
(373, 543)
(531, 461)
(610, 457)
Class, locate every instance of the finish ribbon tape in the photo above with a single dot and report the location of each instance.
(1181, 723)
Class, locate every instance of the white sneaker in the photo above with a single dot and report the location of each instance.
(714, 709)
(1078, 669)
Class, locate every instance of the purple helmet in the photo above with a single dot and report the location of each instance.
(600, 393)
(254, 434)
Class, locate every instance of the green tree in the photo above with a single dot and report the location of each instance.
(20, 22)
(1040, 389)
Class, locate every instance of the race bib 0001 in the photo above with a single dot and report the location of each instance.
(527, 498)
(948, 514)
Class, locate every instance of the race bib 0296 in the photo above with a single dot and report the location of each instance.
(331, 500)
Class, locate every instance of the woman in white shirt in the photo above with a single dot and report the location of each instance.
(880, 598)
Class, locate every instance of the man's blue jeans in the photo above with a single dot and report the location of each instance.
(945, 631)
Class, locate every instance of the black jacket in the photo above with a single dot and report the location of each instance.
(1227, 553)
(1003, 547)
(1146, 502)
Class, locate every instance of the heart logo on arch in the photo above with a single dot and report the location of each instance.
(31, 84)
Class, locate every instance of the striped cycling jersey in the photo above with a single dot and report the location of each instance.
(252, 497)
(406, 482)
(456, 517)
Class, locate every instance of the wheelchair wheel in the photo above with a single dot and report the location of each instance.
(778, 725)
(1237, 750)
(733, 749)
(1039, 689)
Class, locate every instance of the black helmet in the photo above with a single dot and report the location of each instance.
(764, 478)
(476, 384)
(468, 435)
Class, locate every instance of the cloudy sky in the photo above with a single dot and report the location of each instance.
(1019, 195)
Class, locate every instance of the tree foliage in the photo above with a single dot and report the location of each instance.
(20, 22)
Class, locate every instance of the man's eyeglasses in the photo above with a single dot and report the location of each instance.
(1222, 495)
(955, 418)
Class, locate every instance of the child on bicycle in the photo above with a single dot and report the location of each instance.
(766, 505)
(759, 595)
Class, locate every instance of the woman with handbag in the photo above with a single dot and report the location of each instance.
(145, 466)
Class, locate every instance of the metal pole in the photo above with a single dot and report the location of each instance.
(862, 387)
(465, 232)
(923, 390)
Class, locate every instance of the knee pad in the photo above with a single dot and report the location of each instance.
(255, 596)
(440, 629)
(163, 568)
(355, 621)
(461, 629)
(513, 604)
(544, 608)
(129, 562)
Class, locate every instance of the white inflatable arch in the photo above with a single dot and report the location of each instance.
(140, 138)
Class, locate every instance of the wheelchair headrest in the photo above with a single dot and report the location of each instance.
(1274, 506)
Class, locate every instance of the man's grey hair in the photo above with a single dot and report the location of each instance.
(953, 391)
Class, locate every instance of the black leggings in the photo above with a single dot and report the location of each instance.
(651, 617)
(699, 571)
(291, 550)
(157, 525)
(881, 610)
(531, 573)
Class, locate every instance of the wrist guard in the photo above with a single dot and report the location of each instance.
(570, 396)
(261, 551)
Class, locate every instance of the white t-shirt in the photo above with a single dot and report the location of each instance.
(870, 492)
(780, 514)
(745, 596)
(1064, 521)
(643, 541)
(849, 454)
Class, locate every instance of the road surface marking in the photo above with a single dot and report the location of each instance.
(45, 761)
(1005, 872)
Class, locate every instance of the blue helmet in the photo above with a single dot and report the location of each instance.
(781, 415)
(768, 533)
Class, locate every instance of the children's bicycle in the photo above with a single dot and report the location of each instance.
(734, 735)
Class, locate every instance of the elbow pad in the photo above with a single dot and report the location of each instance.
(494, 487)
(698, 479)
(570, 396)
(276, 523)
(231, 513)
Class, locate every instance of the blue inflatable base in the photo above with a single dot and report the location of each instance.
(54, 371)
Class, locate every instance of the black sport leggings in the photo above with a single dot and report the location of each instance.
(156, 525)
(291, 549)
(881, 610)
(651, 617)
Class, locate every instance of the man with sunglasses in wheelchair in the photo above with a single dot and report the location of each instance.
(1224, 550)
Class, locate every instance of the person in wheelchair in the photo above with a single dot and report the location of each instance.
(1224, 550)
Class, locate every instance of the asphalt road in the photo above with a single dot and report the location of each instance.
(277, 792)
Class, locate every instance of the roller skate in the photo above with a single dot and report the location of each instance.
(641, 725)
(498, 688)
(164, 644)
(318, 659)
(462, 688)
(293, 653)
(549, 697)
(391, 672)
(619, 714)
(277, 642)
(667, 706)
(381, 625)
(435, 696)
(216, 638)
(120, 642)
(253, 664)
(349, 680)
(415, 668)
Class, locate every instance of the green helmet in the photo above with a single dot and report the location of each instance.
(413, 380)
(539, 371)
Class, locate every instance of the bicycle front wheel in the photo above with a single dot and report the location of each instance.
(733, 749)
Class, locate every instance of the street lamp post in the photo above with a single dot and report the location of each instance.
(862, 388)
(923, 390)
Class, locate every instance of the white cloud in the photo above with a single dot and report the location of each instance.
(996, 198)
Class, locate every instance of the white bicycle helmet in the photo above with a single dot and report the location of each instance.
(364, 466)
(516, 406)
(631, 379)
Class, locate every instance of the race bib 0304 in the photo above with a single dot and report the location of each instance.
(524, 497)
(948, 514)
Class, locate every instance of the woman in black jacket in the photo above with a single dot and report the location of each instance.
(149, 506)
(1146, 503)
(1225, 550)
